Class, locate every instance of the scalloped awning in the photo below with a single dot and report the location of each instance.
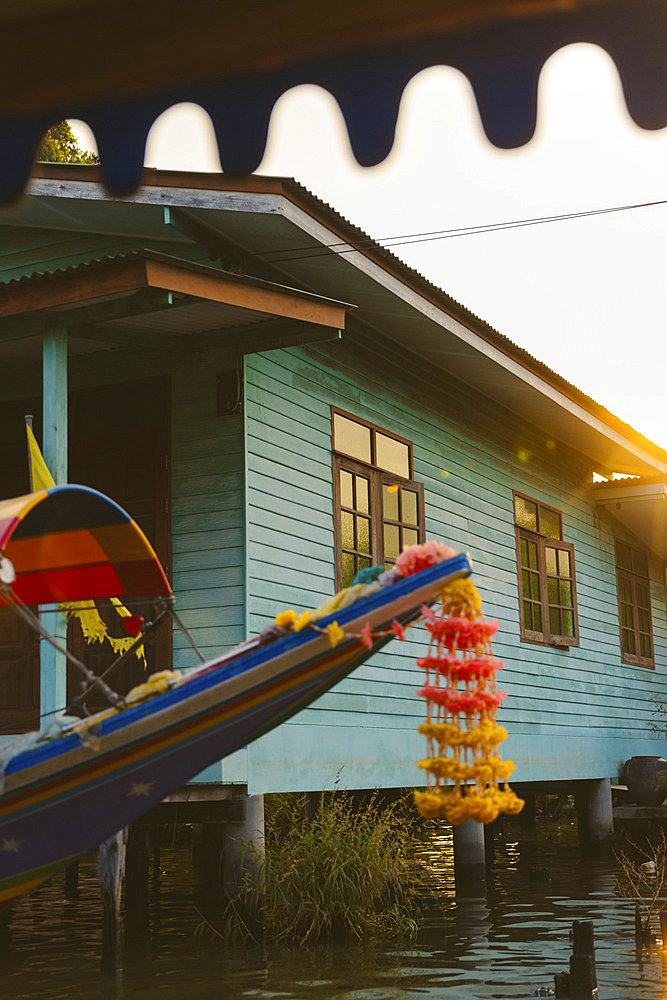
(237, 59)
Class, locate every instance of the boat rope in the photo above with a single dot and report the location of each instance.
(33, 620)
(175, 618)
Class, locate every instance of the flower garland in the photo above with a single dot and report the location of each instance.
(463, 764)
(467, 778)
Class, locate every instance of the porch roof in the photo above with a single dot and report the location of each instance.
(640, 504)
(149, 299)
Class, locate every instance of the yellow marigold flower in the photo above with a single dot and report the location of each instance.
(286, 618)
(461, 598)
(302, 621)
(334, 634)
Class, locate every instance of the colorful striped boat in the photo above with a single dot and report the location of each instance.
(63, 796)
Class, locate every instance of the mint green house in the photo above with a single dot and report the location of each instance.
(248, 374)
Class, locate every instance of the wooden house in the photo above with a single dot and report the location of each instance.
(248, 373)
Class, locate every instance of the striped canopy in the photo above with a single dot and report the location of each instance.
(71, 543)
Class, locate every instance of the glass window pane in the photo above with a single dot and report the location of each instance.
(390, 504)
(564, 562)
(363, 535)
(525, 513)
(391, 541)
(348, 569)
(626, 615)
(640, 562)
(528, 615)
(554, 622)
(536, 595)
(524, 552)
(532, 555)
(624, 588)
(552, 591)
(525, 579)
(410, 537)
(645, 646)
(642, 595)
(644, 620)
(362, 494)
(409, 507)
(345, 489)
(550, 556)
(623, 555)
(549, 522)
(568, 624)
(352, 438)
(347, 530)
(537, 617)
(628, 641)
(363, 562)
(392, 455)
(566, 593)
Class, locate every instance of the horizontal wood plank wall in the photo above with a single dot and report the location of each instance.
(574, 713)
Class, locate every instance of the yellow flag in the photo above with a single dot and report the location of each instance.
(92, 624)
(40, 477)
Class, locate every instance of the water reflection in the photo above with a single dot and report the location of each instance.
(502, 935)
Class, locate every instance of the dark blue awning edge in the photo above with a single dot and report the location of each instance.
(502, 62)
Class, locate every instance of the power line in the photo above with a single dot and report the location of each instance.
(346, 246)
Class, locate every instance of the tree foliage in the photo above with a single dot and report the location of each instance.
(59, 145)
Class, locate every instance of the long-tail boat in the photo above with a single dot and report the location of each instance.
(71, 786)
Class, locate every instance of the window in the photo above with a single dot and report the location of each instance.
(547, 592)
(378, 508)
(634, 605)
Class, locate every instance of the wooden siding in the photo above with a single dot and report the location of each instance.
(574, 713)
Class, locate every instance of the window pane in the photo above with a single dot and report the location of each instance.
(363, 535)
(409, 507)
(410, 536)
(524, 552)
(626, 615)
(345, 489)
(525, 513)
(532, 555)
(352, 438)
(554, 622)
(640, 562)
(528, 615)
(537, 617)
(525, 578)
(362, 494)
(645, 646)
(624, 588)
(390, 504)
(536, 595)
(347, 530)
(391, 541)
(566, 593)
(568, 624)
(644, 620)
(550, 556)
(628, 641)
(623, 555)
(642, 595)
(348, 569)
(552, 591)
(549, 523)
(392, 456)
(364, 563)
(564, 562)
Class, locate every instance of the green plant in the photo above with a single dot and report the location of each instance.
(351, 872)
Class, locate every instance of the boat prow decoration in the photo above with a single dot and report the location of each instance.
(92, 778)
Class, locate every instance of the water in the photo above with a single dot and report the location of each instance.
(502, 941)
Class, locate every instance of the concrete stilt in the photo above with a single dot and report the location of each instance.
(238, 857)
(468, 844)
(312, 804)
(111, 871)
(594, 812)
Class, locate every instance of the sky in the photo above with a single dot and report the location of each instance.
(585, 296)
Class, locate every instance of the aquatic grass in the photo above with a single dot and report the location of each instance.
(350, 872)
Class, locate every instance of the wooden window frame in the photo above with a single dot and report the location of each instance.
(378, 478)
(633, 659)
(544, 637)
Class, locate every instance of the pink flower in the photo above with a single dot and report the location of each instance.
(367, 636)
(399, 631)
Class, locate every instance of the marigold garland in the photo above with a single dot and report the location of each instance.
(461, 731)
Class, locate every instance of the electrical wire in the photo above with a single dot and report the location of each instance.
(347, 246)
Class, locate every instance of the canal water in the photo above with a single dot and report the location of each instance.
(502, 939)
